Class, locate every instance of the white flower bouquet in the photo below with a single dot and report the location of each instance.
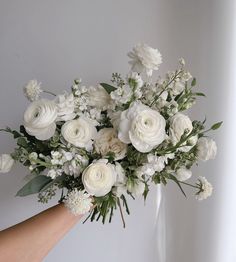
(101, 144)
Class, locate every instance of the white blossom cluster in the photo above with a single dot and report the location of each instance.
(112, 140)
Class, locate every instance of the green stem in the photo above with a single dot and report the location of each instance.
(50, 93)
(188, 184)
(121, 212)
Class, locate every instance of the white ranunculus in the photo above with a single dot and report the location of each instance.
(79, 132)
(65, 107)
(142, 126)
(39, 119)
(145, 58)
(6, 163)
(107, 141)
(179, 123)
(99, 177)
(136, 189)
(183, 174)
(98, 97)
(207, 149)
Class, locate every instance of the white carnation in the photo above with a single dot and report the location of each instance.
(39, 119)
(107, 141)
(142, 126)
(145, 58)
(65, 107)
(183, 174)
(79, 132)
(78, 202)
(98, 97)
(32, 90)
(6, 163)
(99, 177)
(207, 149)
(206, 189)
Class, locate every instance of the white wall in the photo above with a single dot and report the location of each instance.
(55, 41)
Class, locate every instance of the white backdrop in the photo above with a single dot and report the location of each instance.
(56, 41)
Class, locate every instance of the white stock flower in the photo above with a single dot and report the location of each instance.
(6, 163)
(122, 95)
(65, 107)
(119, 190)
(79, 132)
(180, 123)
(78, 202)
(114, 118)
(137, 78)
(99, 177)
(206, 189)
(54, 173)
(207, 149)
(76, 166)
(137, 188)
(120, 172)
(32, 90)
(145, 57)
(183, 174)
(98, 97)
(142, 126)
(39, 119)
(107, 141)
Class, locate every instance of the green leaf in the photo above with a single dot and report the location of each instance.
(22, 142)
(194, 81)
(108, 87)
(216, 125)
(199, 94)
(34, 185)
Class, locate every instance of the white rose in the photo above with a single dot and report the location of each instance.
(142, 126)
(136, 189)
(179, 123)
(145, 57)
(39, 119)
(79, 132)
(99, 177)
(183, 174)
(6, 163)
(65, 107)
(98, 97)
(207, 149)
(107, 141)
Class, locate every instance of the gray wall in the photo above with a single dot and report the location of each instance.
(57, 41)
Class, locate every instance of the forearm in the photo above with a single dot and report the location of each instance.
(31, 240)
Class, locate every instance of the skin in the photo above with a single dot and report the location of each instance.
(32, 239)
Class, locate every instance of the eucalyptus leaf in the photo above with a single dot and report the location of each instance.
(216, 125)
(108, 87)
(34, 185)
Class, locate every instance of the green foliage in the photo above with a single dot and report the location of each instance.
(108, 87)
(34, 185)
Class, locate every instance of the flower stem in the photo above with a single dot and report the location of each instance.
(188, 184)
(50, 93)
(121, 212)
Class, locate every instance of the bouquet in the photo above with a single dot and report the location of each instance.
(101, 144)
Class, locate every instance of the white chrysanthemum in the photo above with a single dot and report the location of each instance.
(78, 202)
(206, 189)
(32, 90)
(145, 57)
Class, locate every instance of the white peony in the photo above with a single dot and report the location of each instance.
(142, 126)
(137, 188)
(32, 90)
(145, 58)
(207, 149)
(6, 163)
(183, 174)
(99, 177)
(78, 202)
(180, 123)
(39, 119)
(65, 107)
(98, 97)
(107, 141)
(206, 189)
(79, 132)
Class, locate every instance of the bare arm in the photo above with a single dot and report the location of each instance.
(31, 240)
